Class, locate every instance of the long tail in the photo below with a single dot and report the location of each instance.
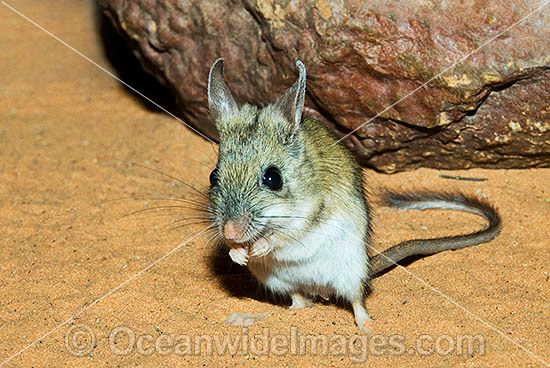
(431, 200)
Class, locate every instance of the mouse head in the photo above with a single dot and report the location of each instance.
(257, 187)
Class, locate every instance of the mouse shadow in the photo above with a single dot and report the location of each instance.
(403, 263)
(126, 66)
(238, 281)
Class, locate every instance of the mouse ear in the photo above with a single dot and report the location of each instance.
(291, 104)
(220, 99)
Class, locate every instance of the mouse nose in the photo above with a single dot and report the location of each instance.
(235, 229)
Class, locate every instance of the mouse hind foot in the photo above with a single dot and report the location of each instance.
(361, 317)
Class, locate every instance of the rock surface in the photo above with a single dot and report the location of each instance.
(367, 65)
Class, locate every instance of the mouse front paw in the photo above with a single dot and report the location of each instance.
(239, 255)
(261, 248)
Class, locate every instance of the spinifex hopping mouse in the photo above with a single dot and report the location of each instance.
(288, 199)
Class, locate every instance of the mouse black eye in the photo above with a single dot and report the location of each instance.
(214, 177)
(272, 178)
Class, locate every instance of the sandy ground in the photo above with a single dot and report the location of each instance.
(67, 250)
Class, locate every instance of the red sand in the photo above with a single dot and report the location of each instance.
(64, 244)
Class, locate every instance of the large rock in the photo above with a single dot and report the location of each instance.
(362, 57)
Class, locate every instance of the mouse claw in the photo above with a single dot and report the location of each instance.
(239, 255)
(261, 248)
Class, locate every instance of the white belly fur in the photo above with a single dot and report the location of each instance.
(330, 260)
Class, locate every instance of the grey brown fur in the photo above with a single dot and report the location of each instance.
(423, 247)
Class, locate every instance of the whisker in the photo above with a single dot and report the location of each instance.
(192, 218)
(168, 208)
(215, 238)
(164, 174)
(160, 198)
(296, 217)
(214, 151)
(337, 227)
(280, 231)
(184, 225)
(285, 227)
